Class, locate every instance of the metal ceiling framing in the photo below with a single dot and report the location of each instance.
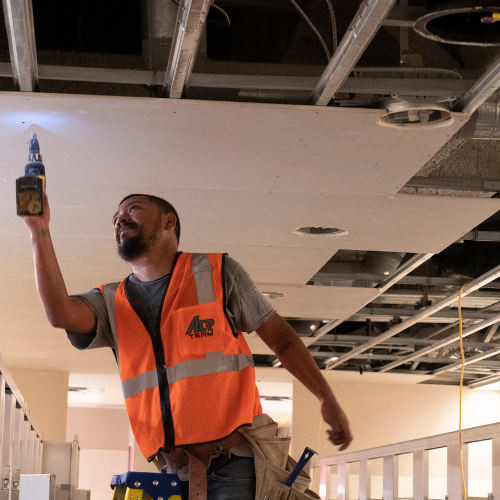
(349, 340)
(189, 26)
(294, 85)
(442, 343)
(360, 33)
(21, 35)
(484, 381)
(484, 88)
(471, 287)
(371, 15)
(468, 361)
(401, 272)
(438, 317)
(368, 280)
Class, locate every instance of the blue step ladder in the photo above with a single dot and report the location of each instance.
(146, 486)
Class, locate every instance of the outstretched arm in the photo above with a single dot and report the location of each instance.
(62, 311)
(282, 339)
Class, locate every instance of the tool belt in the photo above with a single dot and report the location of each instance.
(197, 471)
(273, 465)
(198, 459)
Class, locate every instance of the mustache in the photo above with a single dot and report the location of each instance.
(125, 225)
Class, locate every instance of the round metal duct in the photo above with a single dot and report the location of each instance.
(463, 22)
(401, 113)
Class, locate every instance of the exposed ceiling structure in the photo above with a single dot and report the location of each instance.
(253, 128)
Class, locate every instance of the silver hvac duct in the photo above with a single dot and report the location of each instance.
(381, 263)
(462, 22)
(484, 122)
(158, 24)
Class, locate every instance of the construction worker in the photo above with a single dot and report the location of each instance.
(175, 327)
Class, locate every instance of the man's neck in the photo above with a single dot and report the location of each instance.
(154, 264)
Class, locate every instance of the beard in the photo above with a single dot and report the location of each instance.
(131, 247)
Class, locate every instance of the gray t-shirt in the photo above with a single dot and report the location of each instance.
(247, 308)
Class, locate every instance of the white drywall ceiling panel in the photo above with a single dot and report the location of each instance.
(272, 264)
(216, 145)
(242, 177)
(319, 302)
(406, 223)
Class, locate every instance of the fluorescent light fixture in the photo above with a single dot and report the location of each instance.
(84, 396)
(494, 386)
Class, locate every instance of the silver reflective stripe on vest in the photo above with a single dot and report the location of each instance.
(202, 270)
(215, 362)
(136, 385)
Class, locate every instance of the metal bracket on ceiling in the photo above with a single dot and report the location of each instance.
(189, 26)
(484, 88)
(360, 33)
(21, 35)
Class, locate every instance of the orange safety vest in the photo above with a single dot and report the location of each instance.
(191, 381)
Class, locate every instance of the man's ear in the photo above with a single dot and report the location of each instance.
(170, 221)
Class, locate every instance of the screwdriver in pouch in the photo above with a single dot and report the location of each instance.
(306, 456)
(30, 188)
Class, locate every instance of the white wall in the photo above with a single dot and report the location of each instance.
(104, 442)
(46, 394)
(99, 428)
(382, 414)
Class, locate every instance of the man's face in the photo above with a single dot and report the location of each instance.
(137, 225)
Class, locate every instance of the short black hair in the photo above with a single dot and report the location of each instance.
(164, 206)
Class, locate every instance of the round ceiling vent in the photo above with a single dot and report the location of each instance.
(320, 231)
(401, 113)
(462, 22)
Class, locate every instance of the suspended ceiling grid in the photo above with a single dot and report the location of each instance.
(241, 180)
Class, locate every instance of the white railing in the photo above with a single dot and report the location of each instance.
(21, 446)
(419, 448)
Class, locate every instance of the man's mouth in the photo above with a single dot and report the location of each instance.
(124, 228)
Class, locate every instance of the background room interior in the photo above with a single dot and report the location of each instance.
(274, 153)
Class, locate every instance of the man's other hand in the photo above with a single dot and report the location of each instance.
(340, 433)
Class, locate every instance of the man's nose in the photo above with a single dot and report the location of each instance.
(121, 219)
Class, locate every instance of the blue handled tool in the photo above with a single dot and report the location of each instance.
(306, 456)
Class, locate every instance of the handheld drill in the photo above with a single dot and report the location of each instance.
(30, 188)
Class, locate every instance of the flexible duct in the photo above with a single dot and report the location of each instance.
(382, 263)
(462, 22)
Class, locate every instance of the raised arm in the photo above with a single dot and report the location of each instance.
(62, 311)
(282, 339)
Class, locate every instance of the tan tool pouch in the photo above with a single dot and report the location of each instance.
(273, 465)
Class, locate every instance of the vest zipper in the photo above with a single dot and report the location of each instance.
(161, 371)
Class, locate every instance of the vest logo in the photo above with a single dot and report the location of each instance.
(200, 328)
